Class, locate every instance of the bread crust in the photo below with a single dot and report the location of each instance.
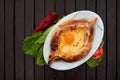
(71, 24)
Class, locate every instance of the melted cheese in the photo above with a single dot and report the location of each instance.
(69, 48)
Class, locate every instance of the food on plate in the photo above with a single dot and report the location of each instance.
(72, 40)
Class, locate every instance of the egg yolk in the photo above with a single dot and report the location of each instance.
(68, 38)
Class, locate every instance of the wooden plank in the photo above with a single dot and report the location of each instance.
(49, 6)
(29, 25)
(118, 39)
(111, 40)
(91, 72)
(59, 75)
(60, 9)
(39, 14)
(81, 72)
(70, 7)
(2, 39)
(39, 11)
(80, 5)
(9, 40)
(49, 74)
(19, 37)
(71, 74)
(101, 69)
(91, 5)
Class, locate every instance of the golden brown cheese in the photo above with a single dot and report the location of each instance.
(72, 40)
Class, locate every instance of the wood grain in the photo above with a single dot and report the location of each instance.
(28, 29)
(9, 40)
(111, 40)
(18, 18)
(118, 39)
(101, 69)
(2, 46)
(19, 37)
(39, 14)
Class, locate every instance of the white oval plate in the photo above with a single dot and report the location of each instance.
(98, 36)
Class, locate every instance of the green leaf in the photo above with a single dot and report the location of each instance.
(93, 63)
(40, 59)
(28, 43)
(42, 38)
(32, 43)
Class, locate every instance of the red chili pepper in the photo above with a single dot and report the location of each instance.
(46, 22)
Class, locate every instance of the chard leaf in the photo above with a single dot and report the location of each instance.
(40, 59)
(93, 63)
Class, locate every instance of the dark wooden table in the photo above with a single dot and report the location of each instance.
(18, 18)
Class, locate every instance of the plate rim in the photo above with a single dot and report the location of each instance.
(56, 25)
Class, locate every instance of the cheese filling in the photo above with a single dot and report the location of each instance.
(72, 41)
